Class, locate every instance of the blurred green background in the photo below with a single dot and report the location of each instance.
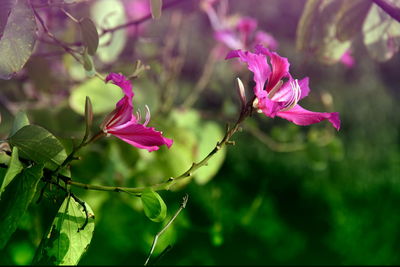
(332, 200)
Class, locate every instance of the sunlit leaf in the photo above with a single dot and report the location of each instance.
(15, 200)
(209, 135)
(39, 145)
(17, 42)
(13, 170)
(156, 8)
(90, 35)
(103, 96)
(64, 244)
(21, 120)
(108, 14)
(153, 205)
(316, 31)
(381, 34)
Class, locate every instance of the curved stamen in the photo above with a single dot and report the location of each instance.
(275, 89)
(138, 115)
(147, 116)
(295, 97)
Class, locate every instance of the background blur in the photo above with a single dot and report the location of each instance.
(284, 194)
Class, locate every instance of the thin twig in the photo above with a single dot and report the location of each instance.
(182, 206)
(60, 43)
(391, 10)
(203, 81)
(139, 21)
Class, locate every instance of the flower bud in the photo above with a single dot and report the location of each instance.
(242, 94)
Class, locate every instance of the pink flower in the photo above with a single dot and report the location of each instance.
(347, 59)
(236, 33)
(277, 93)
(124, 125)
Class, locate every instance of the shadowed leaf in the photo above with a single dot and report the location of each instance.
(15, 200)
(64, 244)
(17, 42)
(90, 35)
(21, 120)
(14, 168)
(38, 144)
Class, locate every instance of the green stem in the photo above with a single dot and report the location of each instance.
(71, 156)
(166, 185)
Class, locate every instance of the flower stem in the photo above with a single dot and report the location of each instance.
(71, 156)
(166, 185)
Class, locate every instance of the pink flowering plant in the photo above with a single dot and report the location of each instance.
(73, 142)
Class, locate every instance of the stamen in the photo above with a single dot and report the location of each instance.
(295, 97)
(147, 116)
(275, 89)
(138, 115)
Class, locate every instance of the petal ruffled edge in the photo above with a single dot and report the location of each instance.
(121, 81)
(257, 64)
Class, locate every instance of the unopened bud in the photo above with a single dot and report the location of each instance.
(241, 91)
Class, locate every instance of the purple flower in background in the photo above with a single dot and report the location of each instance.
(347, 59)
(236, 32)
(124, 125)
(136, 9)
(277, 93)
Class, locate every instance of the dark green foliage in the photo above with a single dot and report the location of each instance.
(16, 199)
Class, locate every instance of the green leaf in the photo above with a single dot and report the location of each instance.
(38, 144)
(209, 135)
(21, 120)
(17, 42)
(88, 64)
(90, 35)
(156, 8)
(381, 34)
(103, 96)
(5, 10)
(154, 206)
(87, 61)
(351, 19)
(4, 158)
(63, 244)
(316, 31)
(109, 14)
(88, 117)
(15, 200)
(13, 170)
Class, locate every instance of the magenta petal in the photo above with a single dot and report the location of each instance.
(247, 25)
(258, 65)
(305, 88)
(121, 114)
(301, 116)
(121, 81)
(280, 69)
(266, 39)
(233, 54)
(229, 39)
(140, 136)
